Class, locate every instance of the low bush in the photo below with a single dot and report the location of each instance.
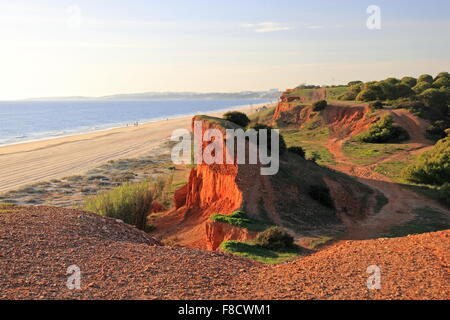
(384, 131)
(298, 151)
(409, 81)
(431, 167)
(130, 202)
(436, 130)
(237, 117)
(320, 105)
(322, 195)
(376, 105)
(421, 87)
(425, 78)
(274, 238)
(437, 99)
(368, 94)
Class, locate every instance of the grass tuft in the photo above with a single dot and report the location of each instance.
(240, 219)
(252, 251)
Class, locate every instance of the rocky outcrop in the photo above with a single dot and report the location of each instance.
(211, 188)
(218, 232)
(179, 198)
(287, 114)
(344, 121)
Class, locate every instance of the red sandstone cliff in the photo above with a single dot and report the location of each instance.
(218, 232)
(282, 199)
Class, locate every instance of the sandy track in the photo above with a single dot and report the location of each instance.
(32, 162)
(402, 201)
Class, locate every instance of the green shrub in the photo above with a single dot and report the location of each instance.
(421, 87)
(443, 75)
(130, 202)
(322, 195)
(274, 238)
(376, 105)
(437, 99)
(320, 105)
(436, 130)
(425, 78)
(352, 91)
(444, 193)
(441, 82)
(298, 151)
(352, 83)
(238, 218)
(241, 220)
(402, 91)
(384, 131)
(431, 167)
(237, 117)
(414, 106)
(409, 81)
(367, 95)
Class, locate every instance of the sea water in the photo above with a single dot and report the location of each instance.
(23, 121)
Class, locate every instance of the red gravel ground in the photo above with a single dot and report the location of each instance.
(117, 261)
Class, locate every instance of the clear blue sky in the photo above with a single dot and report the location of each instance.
(60, 48)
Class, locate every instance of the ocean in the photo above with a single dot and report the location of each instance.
(23, 121)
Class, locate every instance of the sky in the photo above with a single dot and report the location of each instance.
(95, 48)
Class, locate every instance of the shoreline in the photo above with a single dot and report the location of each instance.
(113, 126)
(31, 162)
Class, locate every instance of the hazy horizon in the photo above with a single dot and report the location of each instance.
(79, 48)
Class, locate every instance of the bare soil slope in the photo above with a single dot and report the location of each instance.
(37, 244)
(345, 120)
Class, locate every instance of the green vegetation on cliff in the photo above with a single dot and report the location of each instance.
(241, 220)
(384, 131)
(425, 96)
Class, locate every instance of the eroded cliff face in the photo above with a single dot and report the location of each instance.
(218, 232)
(346, 121)
(287, 114)
(291, 109)
(283, 199)
(213, 189)
(220, 189)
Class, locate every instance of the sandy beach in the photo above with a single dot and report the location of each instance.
(31, 162)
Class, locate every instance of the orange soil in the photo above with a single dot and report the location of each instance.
(117, 261)
(347, 120)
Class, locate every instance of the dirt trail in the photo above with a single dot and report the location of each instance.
(402, 201)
